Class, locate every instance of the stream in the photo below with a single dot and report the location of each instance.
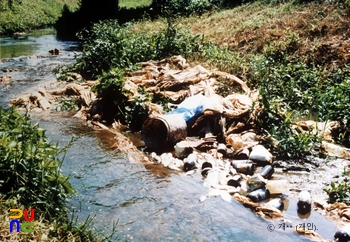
(144, 202)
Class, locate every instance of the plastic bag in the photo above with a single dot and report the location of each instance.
(191, 107)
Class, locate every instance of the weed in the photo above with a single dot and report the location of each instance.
(30, 168)
(339, 191)
(30, 176)
(68, 104)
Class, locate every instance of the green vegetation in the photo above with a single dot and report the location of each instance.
(108, 45)
(111, 49)
(21, 15)
(30, 177)
(134, 3)
(30, 168)
(183, 7)
(339, 191)
(68, 104)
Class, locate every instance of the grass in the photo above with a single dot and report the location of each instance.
(30, 177)
(312, 24)
(28, 14)
(134, 3)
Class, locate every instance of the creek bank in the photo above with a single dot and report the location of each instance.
(225, 122)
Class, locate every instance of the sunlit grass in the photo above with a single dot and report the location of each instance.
(134, 3)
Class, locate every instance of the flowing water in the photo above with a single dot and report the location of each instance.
(146, 203)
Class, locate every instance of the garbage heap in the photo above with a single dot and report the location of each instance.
(208, 133)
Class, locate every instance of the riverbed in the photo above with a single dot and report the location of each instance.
(144, 202)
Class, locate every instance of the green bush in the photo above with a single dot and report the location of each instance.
(292, 90)
(116, 102)
(30, 167)
(339, 191)
(108, 45)
(182, 7)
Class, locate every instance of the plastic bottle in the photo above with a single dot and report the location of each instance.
(190, 162)
(277, 186)
(259, 195)
(247, 169)
(267, 171)
(235, 181)
(222, 148)
(304, 202)
(276, 203)
(189, 165)
(343, 234)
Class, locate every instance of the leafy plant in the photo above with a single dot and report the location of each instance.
(30, 167)
(108, 45)
(118, 103)
(182, 7)
(339, 191)
(68, 104)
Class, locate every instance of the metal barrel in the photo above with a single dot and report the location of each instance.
(164, 131)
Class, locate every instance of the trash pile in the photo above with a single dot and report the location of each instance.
(206, 132)
(209, 133)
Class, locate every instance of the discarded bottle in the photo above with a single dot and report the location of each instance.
(207, 164)
(235, 181)
(260, 154)
(190, 162)
(259, 195)
(304, 202)
(255, 182)
(277, 186)
(343, 234)
(222, 148)
(267, 171)
(276, 203)
(244, 154)
(247, 169)
(234, 163)
(189, 165)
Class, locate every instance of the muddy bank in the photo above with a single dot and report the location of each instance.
(216, 147)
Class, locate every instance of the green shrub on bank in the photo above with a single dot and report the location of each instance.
(292, 90)
(30, 168)
(110, 49)
(182, 7)
(108, 45)
(339, 191)
(30, 177)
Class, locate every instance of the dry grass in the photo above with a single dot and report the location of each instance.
(320, 32)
